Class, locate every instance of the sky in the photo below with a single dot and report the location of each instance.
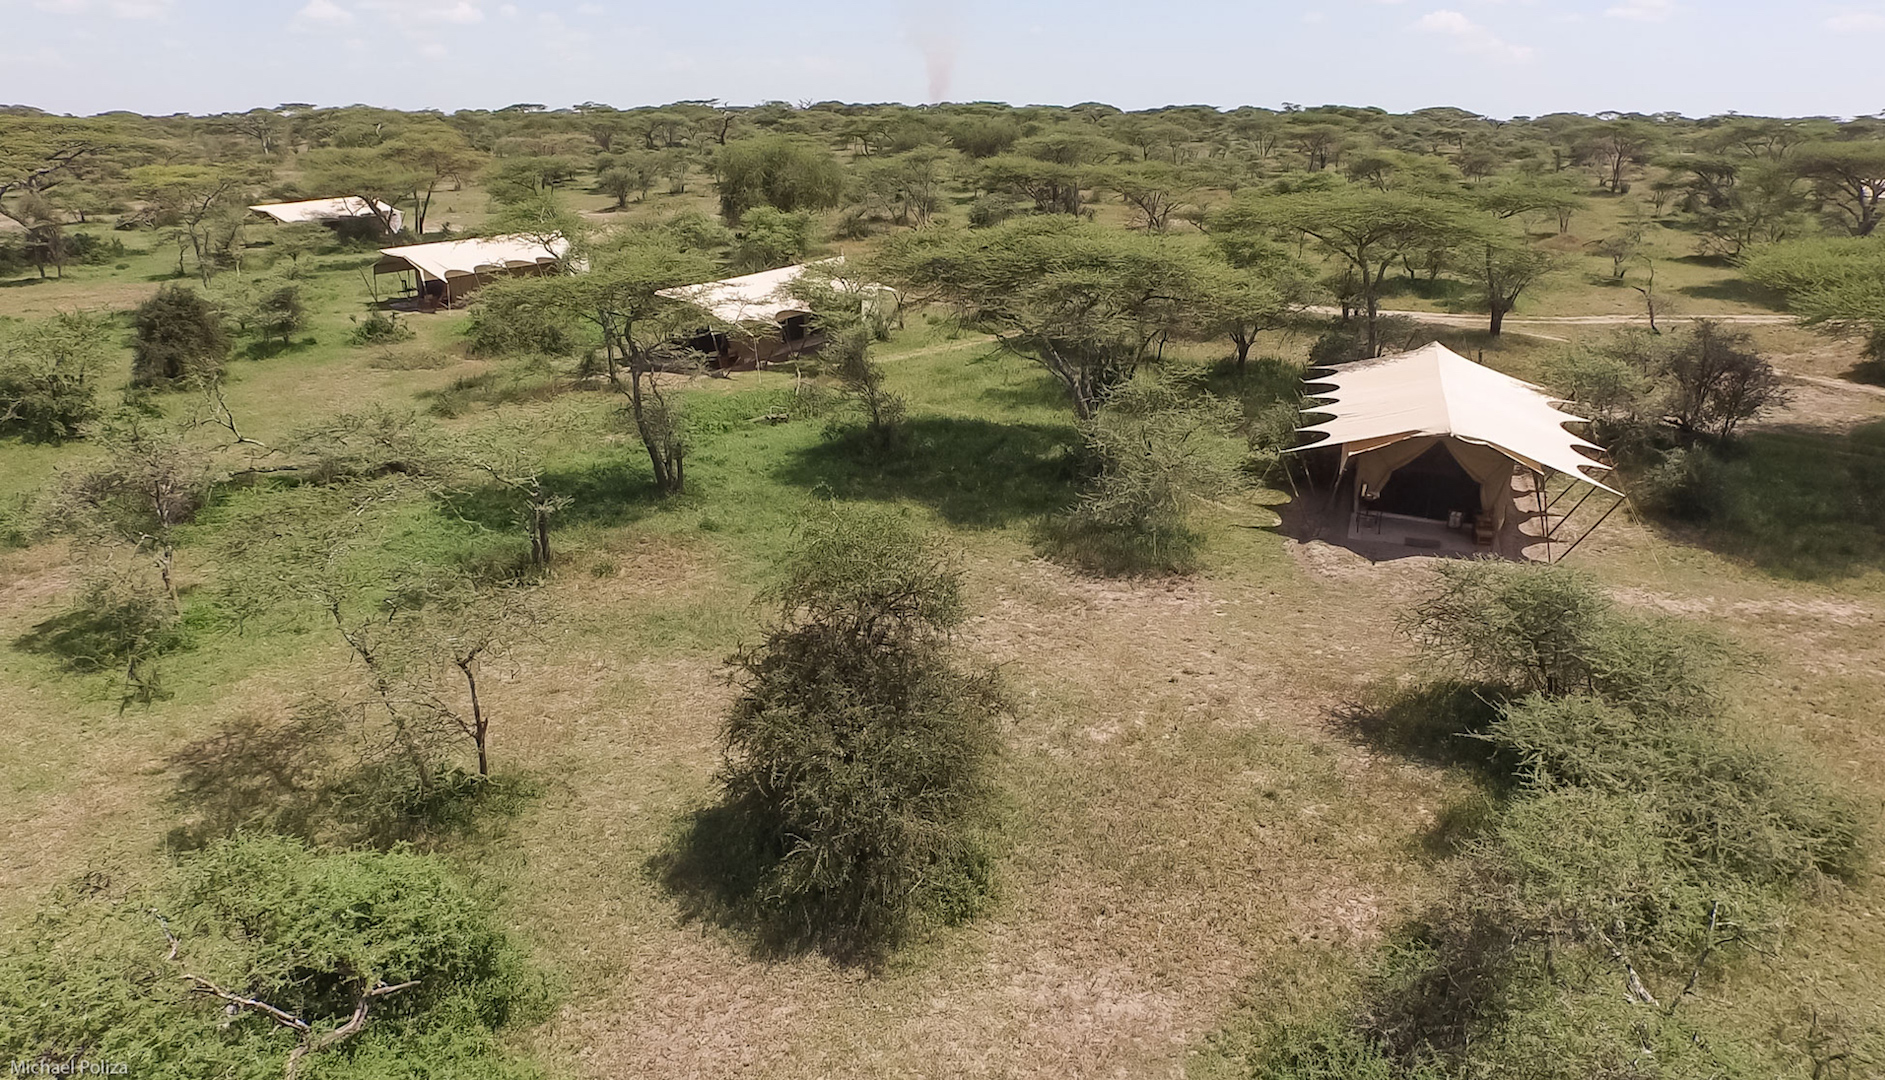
(1498, 57)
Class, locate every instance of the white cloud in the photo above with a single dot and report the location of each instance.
(1470, 37)
(509, 11)
(323, 13)
(63, 7)
(462, 12)
(1643, 10)
(141, 9)
(432, 50)
(591, 9)
(1849, 22)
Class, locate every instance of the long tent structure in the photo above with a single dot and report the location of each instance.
(326, 210)
(1393, 413)
(776, 323)
(448, 269)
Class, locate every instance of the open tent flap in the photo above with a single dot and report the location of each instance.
(1491, 468)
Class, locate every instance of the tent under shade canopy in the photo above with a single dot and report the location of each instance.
(1389, 411)
(459, 263)
(322, 210)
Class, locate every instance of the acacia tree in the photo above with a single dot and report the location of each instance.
(1366, 231)
(196, 198)
(644, 334)
(423, 650)
(427, 157)
(1849, 180)
(778, 171)
(1240, 302)
(38, 153)
(1502, 268)
(1090, 304)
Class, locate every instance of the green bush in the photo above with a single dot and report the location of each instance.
(858, 757)
(273, 921)
(178, 336)
(379, 328)
(49, 373)
(1160, 446)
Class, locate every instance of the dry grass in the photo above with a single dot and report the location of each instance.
(1187, 822)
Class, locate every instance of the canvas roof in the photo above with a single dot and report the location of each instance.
(1434, 391)
(762, 297)
(480, 255)
(289, 213)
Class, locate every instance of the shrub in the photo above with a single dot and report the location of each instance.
(49, 371)
(1159, 446)
(379, 328)
(1551, 630)
(858, 755)
(510, 317)
(270, 921)
(1742, 811)
(863, 379)
(179, 336)
(768, 238)
(779, 171)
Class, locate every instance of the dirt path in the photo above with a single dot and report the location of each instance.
(1468, 321)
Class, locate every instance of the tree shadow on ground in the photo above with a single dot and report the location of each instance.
(1737, 291)
(973, 472)
(1439, 724)
(291, 778)
(86, 642)
(715, 867)
(604, 493)
(26, 282)
(268, 350)
(1796, 503)
(1870, 372)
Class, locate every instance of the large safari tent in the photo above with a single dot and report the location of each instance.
(446, 270)
(1434, 439)
(333, 211)
(760, 321)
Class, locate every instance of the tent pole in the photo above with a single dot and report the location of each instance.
(1593, 528)
(1544, 511)
(1588, 492)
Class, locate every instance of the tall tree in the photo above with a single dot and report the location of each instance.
(1849, 180)
(1366, 231)
(1089, 303)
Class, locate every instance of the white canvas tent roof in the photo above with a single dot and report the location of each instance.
(1434, 391)
(446, 259)
(349, 206)
(762, 297)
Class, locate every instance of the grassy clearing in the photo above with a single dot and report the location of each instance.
(1197, 838)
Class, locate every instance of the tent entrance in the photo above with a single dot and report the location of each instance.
(1431, 486)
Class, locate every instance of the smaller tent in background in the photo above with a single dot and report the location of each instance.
(1433, 437)
(768, 322)
(330, 211)
(445, 271)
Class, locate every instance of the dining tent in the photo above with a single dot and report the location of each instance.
(328, 210)
(1388, 413)
(458, 266)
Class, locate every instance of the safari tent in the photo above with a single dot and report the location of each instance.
(445, 271)
(761, 321)
(327, 211)
(1438, 440)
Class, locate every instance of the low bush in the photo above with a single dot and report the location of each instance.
(379, 328)
(1159, 446)
(858, 756)
(386, 960)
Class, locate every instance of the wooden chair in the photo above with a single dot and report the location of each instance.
(1482, 531)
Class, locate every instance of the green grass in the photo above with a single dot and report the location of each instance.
(1196, 837)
